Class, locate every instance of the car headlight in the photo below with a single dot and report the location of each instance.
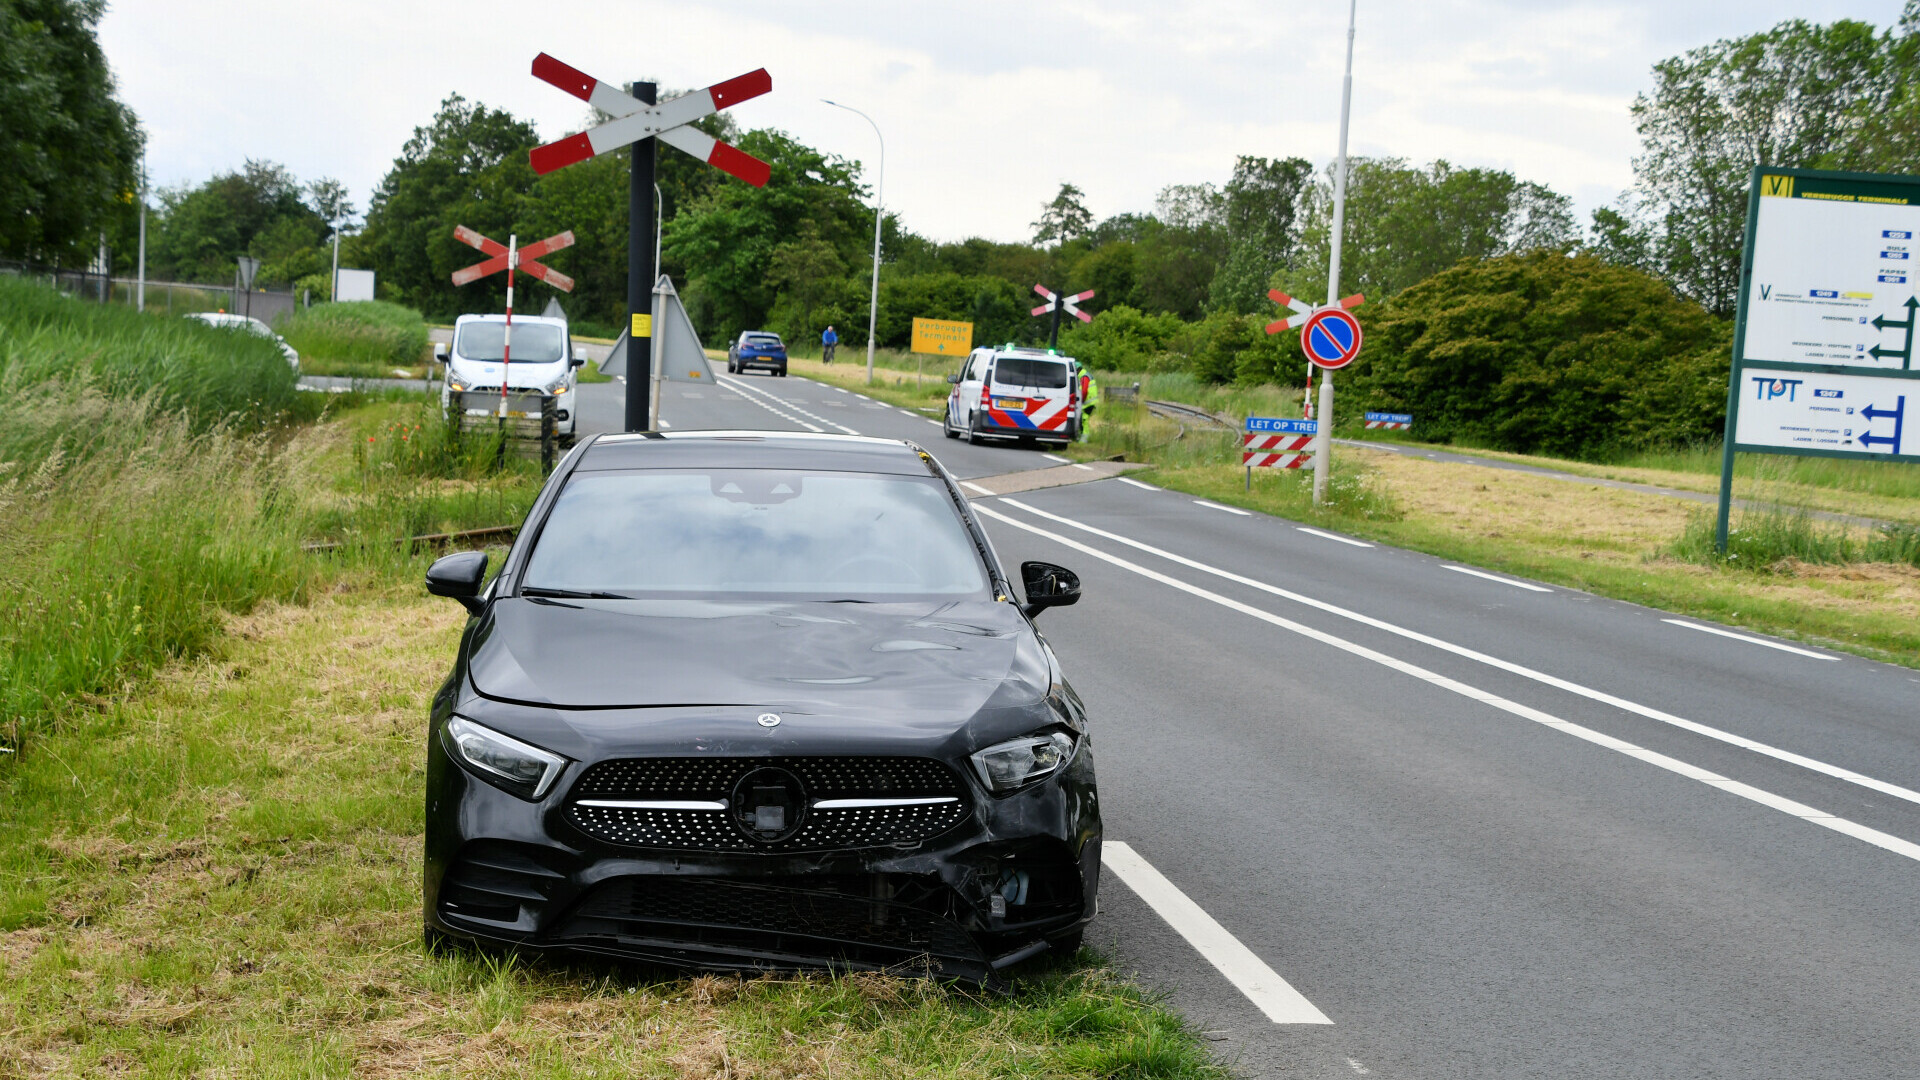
(1016, 763)
(558, 388)
(520, 768)
(455, 384)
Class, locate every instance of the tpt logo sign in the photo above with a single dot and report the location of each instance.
(1766, 389)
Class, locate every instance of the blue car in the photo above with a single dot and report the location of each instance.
(757, 349)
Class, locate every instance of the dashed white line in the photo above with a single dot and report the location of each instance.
(1056, 457)
(1750, 639)
(1332, 536)
(1811, 815)
(1248, 973)
(1788, 756)
(665, 424)
(1217, 506)
(1136, 483)
(975, 488)
(1090, 468)
(1529, 586)
(742, 386)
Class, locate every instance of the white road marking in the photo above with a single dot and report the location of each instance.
(777, 411)
(815, 417)
(975, 488)
(1090, 468)
(1136, 483)
(1530, 587)
(1332, 536)
(1217, 506)
(665, 424)
(1810, 764)
(1056, 457)
(1749, 639)
(1249, 974)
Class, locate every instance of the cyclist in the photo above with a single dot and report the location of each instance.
(827, 341)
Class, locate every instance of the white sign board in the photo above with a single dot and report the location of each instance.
(1796, 409)
(1823, 272)
(355, 285)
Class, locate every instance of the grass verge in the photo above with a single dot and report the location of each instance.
(363, 339)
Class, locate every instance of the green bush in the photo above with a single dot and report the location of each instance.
(1546, 353)
(1121, 339)
(212, 374)
(364, 337)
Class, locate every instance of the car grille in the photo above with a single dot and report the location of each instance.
(690, 918)
(826, 780)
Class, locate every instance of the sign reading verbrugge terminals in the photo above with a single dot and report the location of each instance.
(941, 337)
(1823, 343)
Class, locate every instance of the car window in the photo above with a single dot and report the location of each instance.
(756, 534)
(1022, 371)
(763, 340)
(533, 343)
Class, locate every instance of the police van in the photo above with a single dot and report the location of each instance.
(1005, 392)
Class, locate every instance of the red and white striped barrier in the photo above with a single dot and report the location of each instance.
(1388, 425)
(1256, 441)
(1274, 461)
(671, 121)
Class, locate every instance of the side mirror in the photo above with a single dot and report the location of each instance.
(440, 351)
(459, 576)
(954, 379)
(1047, 586)
(579, 357)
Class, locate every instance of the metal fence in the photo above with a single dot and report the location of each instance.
(162, 297)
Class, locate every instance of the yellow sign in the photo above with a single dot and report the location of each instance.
(643, 326)
(1779, 187)
(941, 338)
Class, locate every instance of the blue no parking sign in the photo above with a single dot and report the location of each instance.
(1331, 338)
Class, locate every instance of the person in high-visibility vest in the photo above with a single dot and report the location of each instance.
(1089, 399)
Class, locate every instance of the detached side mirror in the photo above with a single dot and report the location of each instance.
(579, 357)
(459, 576)
(1047, 586)
(440, 352)
(954, 379)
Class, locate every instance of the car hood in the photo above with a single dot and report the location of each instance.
(525, 372)
(887, 661)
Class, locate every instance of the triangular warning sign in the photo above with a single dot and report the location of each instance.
(681, 355)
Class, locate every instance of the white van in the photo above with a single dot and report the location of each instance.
(544, 363)
(1013, 393)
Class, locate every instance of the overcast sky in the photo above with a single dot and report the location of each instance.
(987, 106)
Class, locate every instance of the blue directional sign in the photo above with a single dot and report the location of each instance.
(1282, 427)
(1391, 417)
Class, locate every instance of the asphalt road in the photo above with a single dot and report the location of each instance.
(1486, 829)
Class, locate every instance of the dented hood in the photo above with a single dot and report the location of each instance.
(884, 660)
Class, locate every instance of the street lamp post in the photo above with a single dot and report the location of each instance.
(879, 201)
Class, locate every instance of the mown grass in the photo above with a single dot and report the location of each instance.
(362, 339)
(219, 875)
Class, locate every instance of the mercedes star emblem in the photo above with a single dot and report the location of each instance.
(768, 719)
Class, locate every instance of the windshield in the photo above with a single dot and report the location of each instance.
(756, 534)
(1019, 371)
(533, 343)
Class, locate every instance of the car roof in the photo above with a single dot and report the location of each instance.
(754, 450)
(501, 317)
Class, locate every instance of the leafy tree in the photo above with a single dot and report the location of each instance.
(1799, 94)
(1261, 203)
(1545, 352)
(72, 149)
(1063, 219)
(258, 211)
(805, 268)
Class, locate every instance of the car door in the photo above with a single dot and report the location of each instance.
(966, 396)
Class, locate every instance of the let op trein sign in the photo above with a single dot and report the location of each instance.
(1824, 341)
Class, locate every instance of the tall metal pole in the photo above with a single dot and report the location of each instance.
(879, 203)
(659, 319)
(641, 269)
(333, 290)
(140, 294)
(1323, 442)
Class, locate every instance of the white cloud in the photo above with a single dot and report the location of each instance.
(986, 106)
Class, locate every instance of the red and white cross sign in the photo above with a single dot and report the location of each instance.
(522, 259)
(1064, 303)
(1302, 311)
(670, 121)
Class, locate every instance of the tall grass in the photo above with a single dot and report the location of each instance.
(367, 338)
(1887, 478)
(213, 375)
(1772, 539)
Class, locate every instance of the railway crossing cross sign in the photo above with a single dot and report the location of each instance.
(639, 121)
(1057, 304)
(511, 257)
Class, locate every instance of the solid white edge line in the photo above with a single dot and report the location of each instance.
(1800, 810)
(1749, 639)
(771, 396)
(1529, 586)
(1508, 666)
(763, 403)
(975, 488)
(1136, 483)
(1217, 506)
(1332, 536)
(1249, 974)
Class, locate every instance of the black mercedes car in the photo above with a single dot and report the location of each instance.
(757, 700)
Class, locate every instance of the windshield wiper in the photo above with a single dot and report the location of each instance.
(571, 594)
